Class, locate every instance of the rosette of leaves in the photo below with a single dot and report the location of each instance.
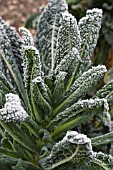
(39, 115)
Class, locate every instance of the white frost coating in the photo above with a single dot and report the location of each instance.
(87, 104)
(13, 111)
(38, 79)
(32, 48)
(27, 37)
(32, 61)
(66, 16)
(94, 73)
(60, 76)
(74, 137)
(45, 40)
(94, 11)
(77, 138)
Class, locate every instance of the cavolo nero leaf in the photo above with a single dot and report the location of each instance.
(34, 82)
(89, 27)
(15, 41)
(81, 106)
(68, 37)
(68, 64)
(47, 32)
(106, 92)
(9, 67)
(80, 87)
(75, 149)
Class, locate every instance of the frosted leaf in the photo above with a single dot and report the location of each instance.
(89, 27)
(73, 146)
(75, 137)
(7, 51)
(27, 38)
(82, 85)
(80, 107)
(47, 32)
(32, 64)
(15, 41)
(68, 37)
(5, 48)
(105, 92)
(13, 111)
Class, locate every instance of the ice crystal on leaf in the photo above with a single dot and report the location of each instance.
(13, 111)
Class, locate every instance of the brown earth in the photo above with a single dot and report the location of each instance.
(15, 12)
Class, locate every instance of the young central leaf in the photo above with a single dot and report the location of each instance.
(47, 32)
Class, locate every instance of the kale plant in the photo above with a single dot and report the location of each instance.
(42, 105)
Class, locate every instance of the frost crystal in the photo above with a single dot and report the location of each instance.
(75, 137)
(13, 111)
(94, 11)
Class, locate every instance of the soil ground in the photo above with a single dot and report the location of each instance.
(15, 12)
